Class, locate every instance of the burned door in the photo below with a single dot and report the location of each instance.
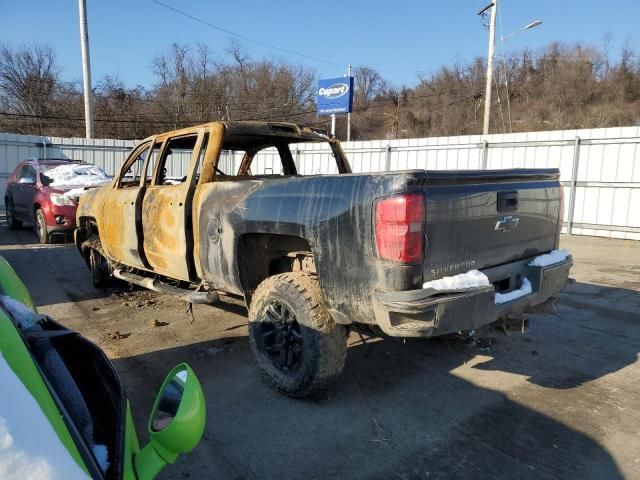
(166, 207)
(119, 228)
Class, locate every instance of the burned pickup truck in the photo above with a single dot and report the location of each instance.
(414, 253)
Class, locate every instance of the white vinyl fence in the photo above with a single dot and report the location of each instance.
(600, 168)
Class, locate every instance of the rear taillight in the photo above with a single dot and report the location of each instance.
(399, 226)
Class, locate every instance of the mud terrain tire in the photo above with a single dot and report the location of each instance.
(295, 342)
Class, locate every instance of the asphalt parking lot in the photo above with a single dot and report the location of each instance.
(562, 401)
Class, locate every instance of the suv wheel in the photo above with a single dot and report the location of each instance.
(100, 269)
(295, 342)
(10, 215)
(41, 227)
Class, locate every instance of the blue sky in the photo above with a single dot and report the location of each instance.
(397, 38)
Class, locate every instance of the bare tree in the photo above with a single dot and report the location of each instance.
(368, 84)
(557, 87)
(28, 79)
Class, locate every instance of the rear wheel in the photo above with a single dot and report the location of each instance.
(10, 215)
(295, 342)
(100, 269)
(41, 227)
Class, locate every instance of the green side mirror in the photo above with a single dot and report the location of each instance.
(176, 423)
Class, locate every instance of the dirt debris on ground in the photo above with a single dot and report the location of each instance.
(118, 336)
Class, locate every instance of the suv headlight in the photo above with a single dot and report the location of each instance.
(61, 200)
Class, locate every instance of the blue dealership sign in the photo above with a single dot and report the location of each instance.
(335, 95)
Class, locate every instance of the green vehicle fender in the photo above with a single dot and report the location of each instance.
(19, 360)
(177, 420)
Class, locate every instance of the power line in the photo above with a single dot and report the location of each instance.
(192, 94)
(254, 113)
(80, 119)
(292, 52)
(259, 97)
(374, 103)
(307, 112)
(150, 122)
(244, 37)
(273, 47)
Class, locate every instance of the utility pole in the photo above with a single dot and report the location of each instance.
(349, 113)
(86, 69)
(398, 116)
(333, 124)
(487, 93)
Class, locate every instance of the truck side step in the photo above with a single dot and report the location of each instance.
(184, 294)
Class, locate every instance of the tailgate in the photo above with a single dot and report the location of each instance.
(479, 219)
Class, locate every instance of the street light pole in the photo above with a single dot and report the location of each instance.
(86, 69)
(487, 91)
(531, 25)
(492, 48)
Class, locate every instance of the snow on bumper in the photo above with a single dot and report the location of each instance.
(551, 258)
(471, 279)
(460, 307)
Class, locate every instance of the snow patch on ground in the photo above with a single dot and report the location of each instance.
(29, 446)
(470, 279)
(76, 175)
(525, 289)
(551, 258)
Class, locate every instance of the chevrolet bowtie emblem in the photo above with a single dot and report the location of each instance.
(506, 224)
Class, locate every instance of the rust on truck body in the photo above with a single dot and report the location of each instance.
(207, 175)
(118, 231)
(165, 217)
(164, 230)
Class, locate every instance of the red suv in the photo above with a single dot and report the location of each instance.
(44, 193)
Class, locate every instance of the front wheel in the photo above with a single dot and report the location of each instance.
(41, 227)
(295, 342)
(100, 269)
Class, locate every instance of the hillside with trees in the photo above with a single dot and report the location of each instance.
(558, 87)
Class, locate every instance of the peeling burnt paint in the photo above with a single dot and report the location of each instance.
(118, 228)
(164, 229)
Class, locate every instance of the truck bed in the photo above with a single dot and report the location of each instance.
(466, 226)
